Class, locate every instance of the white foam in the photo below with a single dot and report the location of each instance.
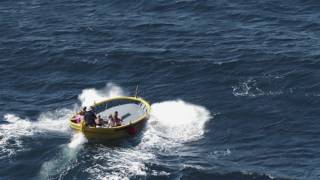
(175, 122)
(65, 160)
(120, 163)
(77, 141)
(179, 120)
(172, 124)
(90, 96)
(14, 128)
(251, 89)
(247, 88)
(9, 131)
(60, 164)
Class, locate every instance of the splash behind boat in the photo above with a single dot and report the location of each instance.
(133, 111)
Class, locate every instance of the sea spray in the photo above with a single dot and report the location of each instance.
(185, 120)
(89, 96)
(10, 131)
(77, 141)
(175, 122)
(172, 123)
(64, 160)
(14, 128)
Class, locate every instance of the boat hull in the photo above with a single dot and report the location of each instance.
(130, 129)
(110, 133)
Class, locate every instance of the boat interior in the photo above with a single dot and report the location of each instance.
(128, 110)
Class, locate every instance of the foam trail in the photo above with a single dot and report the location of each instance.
(65, 160)
(67, 157)
(14, 128)
(172, 124)
(120, 163)
(90, 96)
(77, 141)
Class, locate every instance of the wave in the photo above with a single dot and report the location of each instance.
(13, 128)
(64, 161)
(250, 88)
(175, 122)
(90, 96)
(172, 124)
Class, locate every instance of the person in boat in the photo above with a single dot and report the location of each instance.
(111, 122)
(90, 117)
(83, 111)
(77, 118)
(80, 115)
(99, 121)
(116, 119)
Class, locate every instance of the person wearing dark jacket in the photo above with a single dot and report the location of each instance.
(90, 117)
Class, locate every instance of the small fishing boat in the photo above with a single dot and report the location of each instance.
(133, 111)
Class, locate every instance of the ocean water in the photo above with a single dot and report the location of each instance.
(234, 88)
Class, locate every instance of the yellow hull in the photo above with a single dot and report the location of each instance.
(108, 133)
(114, 132)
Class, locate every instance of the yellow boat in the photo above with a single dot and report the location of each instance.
(133, 111)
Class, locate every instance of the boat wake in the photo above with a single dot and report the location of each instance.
(172, 125)
(178, 120)
(65, 160)
(14, 128)
(90, 96)
(77, 141)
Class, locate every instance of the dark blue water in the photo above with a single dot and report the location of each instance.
(234, 88)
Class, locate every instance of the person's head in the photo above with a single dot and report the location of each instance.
(110, 116)
(116, 113)
(84, 109)
(89, 108)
